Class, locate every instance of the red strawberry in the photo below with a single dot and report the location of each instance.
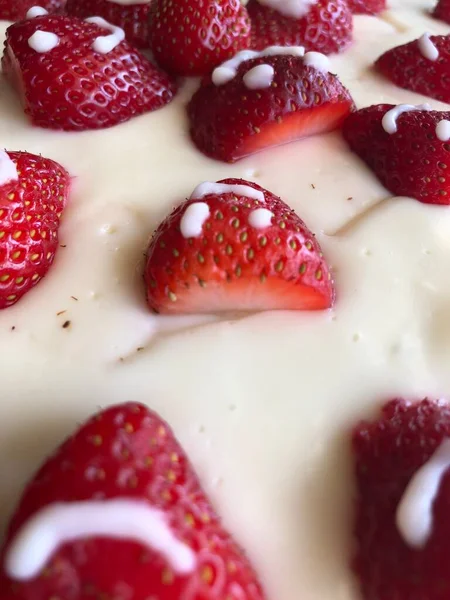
(366, 7)
(192, 38)
(442, 10)
(128, 453)
(414, 66)
(233, 263)
(14, 10)
(388, 453)
(74, 87)
(132, 18)
(230, 121)
(411, 162)
(326, 28)
(30, 208)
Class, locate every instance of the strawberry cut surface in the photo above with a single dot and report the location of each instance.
(407, 67)
(128, 451)
(234, 266)
(73, 87)
(326, 28)
(230, 121)
(410, 162)
(388, 452)
(366, 7)
(30, 211)
(15, 10)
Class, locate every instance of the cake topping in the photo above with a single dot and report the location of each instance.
(36, 11)
(8, 170)
(317, 61)
(443, 130)
(193, 219)
(238, 189)
(106, 43)
(120, 506)
(230, 119)
(427, 48)
(395, 142)
(290, 8)
(43, 41)
(120, 518)
(259, 77)
(245, 258)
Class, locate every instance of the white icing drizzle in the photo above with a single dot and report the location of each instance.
(8, 170)
(105, 43)
(43, 41)
(443, 130)
(260, 218)
(206, 188)
(125, 519)
(290, 8)
(259, 77)
(193, 219)
(36, 11)
(389, 121)
(427, 48)
(228, 70)
(414, 516)
(317, 60)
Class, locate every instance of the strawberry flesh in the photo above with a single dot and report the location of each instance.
(366, 7)
(15, 10)
(233, 266)
(442, 10)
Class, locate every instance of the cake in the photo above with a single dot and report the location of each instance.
(262, 404)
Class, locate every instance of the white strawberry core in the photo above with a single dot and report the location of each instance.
(443, 130)
(414, 516)
(389, 122)
(106, 43)
(290, 8)
(8, 170)
(43, 41)
(427, 48)
(124, 519)
(36, 11)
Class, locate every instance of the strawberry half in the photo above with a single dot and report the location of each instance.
(422, 66)
(191, 38)
(366, 7)
(230, 121)
(235, 248)
(127, 453)
(15, 10)
(389, 452)
(132, 18)
(72, 86)
(413, 161)
(31, 202)
(442, 10)
(326, 28)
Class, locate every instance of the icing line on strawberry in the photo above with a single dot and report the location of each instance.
(427, 48)
(259, 77)
(43, 41)
(290, 8)
(105, 43)
(193, 219)
(207, 187)
(389, 121)
(317, 60)
(8, 170)
(119, 518)
(228, 70)
(36, 11)
(260, 218)
(443, 130)
(414, 516)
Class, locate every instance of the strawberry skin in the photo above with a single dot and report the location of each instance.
(234, 266)
(30, 210)
(229, 121)
(326, 28)
(388, 452)
(442, 11)
(408, 68)
(15, 10)
(132, 18)
(72, 87)
(191, 38)
(366, 7)
(128, 451)
(411, 162)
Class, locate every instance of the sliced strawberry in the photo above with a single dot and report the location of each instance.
(232, 262)
(192, 38)
(132, 18)
(32, 198)
(422, 66)
(366, 7)
(389, 452)
(327, 27)
(128, 453)
(74, 87)
(442, 10)
(14, 10)
(413, 161)
(230, 121)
